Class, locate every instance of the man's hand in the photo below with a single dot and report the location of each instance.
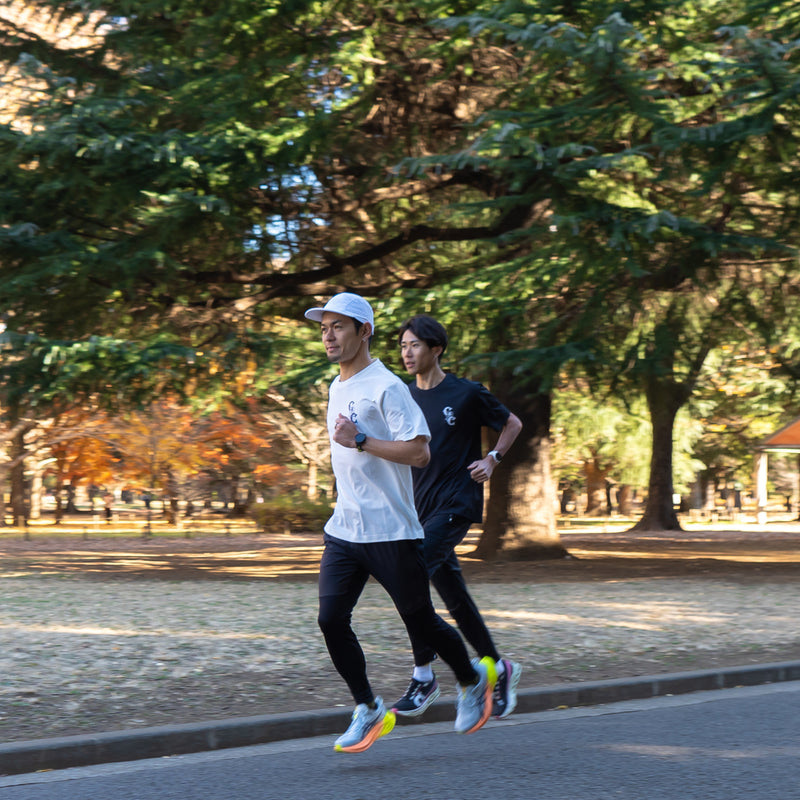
(344, 432)
(480, 471)
(413, 453)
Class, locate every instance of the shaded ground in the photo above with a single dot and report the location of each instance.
(604, 555)
(750, 556)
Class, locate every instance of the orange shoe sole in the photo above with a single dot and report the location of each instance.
(491, 680)
(374, 734)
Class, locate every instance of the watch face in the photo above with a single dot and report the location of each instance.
(361, 438)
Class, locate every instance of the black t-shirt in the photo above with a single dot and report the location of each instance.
(455, 410)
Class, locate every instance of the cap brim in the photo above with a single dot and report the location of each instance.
(315, 314)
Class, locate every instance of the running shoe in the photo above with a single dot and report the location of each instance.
(505, 690)
(367, 726)
(417, 698)
(474, 705)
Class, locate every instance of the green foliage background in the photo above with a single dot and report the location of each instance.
(595, 192)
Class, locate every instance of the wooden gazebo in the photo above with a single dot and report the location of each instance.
(786, 440)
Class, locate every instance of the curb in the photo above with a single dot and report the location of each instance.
(170, 740)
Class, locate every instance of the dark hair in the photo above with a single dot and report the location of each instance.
(426, 329)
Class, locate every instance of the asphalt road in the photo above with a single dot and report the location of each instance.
(716, 745)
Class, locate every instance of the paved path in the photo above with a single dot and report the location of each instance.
(131, 745)
(734, 744)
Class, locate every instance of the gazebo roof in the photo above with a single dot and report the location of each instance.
(787, 439)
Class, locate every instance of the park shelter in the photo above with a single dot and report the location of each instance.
(786, 440)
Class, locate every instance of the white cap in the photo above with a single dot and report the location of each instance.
(348, 304)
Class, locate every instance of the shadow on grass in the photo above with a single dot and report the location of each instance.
(607, 556)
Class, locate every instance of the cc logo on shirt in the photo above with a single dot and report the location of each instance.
(449, 416)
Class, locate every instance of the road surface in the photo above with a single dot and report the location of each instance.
(721, 745)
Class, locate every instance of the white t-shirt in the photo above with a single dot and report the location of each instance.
(375, 497)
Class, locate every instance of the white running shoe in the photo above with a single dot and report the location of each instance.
(367, 726)
(474, 705)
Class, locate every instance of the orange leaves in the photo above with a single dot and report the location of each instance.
(269, 474)
(165, 442)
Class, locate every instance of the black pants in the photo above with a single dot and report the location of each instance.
(399, 567)
(442, 533)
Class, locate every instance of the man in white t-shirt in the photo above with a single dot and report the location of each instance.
(377, 434)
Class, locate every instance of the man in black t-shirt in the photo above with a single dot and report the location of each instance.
(448, 494)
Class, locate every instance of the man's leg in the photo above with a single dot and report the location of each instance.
(341, 581)
(448, 579)
(449, 582)
(442, 534)
(342, 578)
(400, 568)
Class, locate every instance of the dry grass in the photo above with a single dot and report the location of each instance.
(108, 633)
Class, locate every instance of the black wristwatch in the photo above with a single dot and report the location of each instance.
(360, 439)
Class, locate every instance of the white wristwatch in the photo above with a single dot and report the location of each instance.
(496, 456)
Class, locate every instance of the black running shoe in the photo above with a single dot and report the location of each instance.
(417, 698)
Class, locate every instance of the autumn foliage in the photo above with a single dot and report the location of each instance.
(168, 450)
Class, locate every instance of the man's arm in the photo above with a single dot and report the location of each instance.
(508, 434)
(482, 469)
(413, 453)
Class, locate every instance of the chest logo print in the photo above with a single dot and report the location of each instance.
(449, 416)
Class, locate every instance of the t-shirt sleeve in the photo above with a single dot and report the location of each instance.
(403, 416)
(493, 414)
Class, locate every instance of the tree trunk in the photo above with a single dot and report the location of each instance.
(624, 500)
(595, 485)
(36, 493)
(520, 513)
(312, 489)
(171, 507)
(663, 401)
(71, 507)
(58, 513)
(19, 511)
(798, 488)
